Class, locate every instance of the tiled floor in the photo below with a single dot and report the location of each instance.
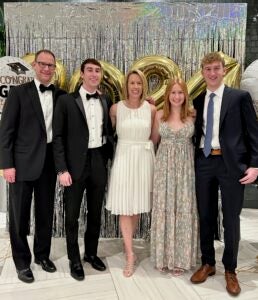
(146, 283)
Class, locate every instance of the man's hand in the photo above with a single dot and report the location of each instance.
(150, 100)
(250, 176)
(65, 179)
(9, 175)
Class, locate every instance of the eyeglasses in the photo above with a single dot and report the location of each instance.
(43, 65)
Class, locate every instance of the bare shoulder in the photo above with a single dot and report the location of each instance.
(113, 114)
(113, 109)
(190, 119)
(159, 114)
(153, 108)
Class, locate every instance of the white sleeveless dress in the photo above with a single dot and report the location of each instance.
(130, 186)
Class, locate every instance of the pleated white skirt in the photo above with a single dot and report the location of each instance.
(130, 188)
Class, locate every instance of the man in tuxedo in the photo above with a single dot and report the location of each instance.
(28, 166)
(83, 142)
(226, 157)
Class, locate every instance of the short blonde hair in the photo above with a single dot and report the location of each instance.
(144, 84)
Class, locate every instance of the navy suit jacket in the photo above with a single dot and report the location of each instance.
(238, 130)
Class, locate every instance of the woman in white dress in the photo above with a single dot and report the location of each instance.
(130, 187)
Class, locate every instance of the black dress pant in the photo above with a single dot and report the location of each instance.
(93, 179)
(20, 197)
(211, 173)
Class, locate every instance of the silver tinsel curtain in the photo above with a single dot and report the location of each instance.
(120, 33)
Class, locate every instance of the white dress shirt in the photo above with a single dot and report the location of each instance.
(94, 115)
(215, 144)
(46, 101)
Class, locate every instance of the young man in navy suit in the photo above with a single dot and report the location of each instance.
(226, 157)
(83, 142)
(27, 161)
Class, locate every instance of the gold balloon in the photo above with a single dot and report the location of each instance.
(75, 81)
(196, 84)
(111, 83)
(59, 77)
(158, 70)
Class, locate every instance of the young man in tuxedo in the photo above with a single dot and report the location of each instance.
(28, 166)
(226, 157)
(83, 142)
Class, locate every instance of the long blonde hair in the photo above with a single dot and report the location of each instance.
(185, 110)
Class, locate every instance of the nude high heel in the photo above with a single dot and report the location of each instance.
(130, 265)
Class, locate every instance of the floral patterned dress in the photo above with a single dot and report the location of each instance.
(174, 228)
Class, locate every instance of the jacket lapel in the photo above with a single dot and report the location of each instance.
(224, 105)
(200, 107)
(34, 97)
(78, 100)
(105, 109)
(55, 95)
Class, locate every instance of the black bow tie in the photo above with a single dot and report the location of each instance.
(95, 95)
(44, 88)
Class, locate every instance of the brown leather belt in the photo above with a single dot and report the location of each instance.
(216, 152)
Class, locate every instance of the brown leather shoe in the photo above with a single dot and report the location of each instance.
(232, 287)
(202, 274)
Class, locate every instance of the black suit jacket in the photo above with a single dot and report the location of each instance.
(71, 133)
(23, 137)
(238, 130)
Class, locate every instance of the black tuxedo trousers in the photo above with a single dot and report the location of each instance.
(94, 180)
(19, 213)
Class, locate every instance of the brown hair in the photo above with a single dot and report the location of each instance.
(212, 57)
(185, 111)
(90, 61)
(44, 51)
(144, 84)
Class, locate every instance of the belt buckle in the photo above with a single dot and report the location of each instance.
(215, 152)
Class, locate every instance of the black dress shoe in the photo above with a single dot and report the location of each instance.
(25, 275)
(95, 262)
(46, 264)
(76, 270)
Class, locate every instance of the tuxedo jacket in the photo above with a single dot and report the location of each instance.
(238, 130)
(71, 133)
(23, 137)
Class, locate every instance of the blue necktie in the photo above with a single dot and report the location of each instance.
(209, 126)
